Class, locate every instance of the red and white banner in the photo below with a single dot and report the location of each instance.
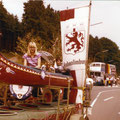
(74, 33)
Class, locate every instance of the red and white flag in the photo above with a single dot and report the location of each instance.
(74, 33)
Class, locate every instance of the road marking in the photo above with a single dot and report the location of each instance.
(110, 86)
(119, 113)
(108, 98)
(94, 101)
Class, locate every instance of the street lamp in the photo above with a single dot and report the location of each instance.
(96, 23)
(99, 53)
(110, 61)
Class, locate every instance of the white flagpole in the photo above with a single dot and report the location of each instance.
(87, 49)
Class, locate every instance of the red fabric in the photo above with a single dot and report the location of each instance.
(73, 94)
(74, 77)
(66, 14)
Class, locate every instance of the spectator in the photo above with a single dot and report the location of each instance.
(107, 81)
(111, 80)
(89, 85)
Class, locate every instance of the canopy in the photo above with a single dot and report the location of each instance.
(47, 56)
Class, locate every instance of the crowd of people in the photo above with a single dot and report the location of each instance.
(110, 80)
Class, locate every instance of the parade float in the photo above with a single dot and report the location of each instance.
(19, 80)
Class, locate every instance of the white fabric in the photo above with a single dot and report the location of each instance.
(55, 65)
(74, 33)
(71, 60)
(89, 81)
(79, 97)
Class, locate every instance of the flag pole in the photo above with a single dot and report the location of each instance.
(87, 49)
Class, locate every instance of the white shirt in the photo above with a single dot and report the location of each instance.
(89, 81)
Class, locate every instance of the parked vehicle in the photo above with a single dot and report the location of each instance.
(99, 71)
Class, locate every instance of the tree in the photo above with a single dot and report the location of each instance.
(22, 43)
(112, 48)
(97, 45)
(9, 27)
(93, 48)
(113, 53)
(44, 22)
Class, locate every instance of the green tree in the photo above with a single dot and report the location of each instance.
(113, 53)
(9, 27)
(112, 48)
(44, 22)
(96, 46)
(94, 49)
(22, 43)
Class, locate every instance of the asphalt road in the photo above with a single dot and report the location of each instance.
(105, 103)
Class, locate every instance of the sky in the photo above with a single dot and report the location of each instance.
(104, 12)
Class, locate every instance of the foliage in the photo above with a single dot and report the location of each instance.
(97, 45)
(10, 29)
(56, 49)
(96, 48)
(93, 47)
(112, 48)
(22, 43)
(41, 24)
(44, 22)
(113, 54)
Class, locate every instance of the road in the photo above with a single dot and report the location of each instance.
(105, 103)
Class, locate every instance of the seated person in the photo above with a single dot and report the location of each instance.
(33, 59)
(59, 68)
(49, 67)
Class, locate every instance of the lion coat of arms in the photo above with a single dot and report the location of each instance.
(74, 42)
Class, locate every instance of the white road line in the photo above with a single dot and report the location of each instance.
(94, 101)
(108, 99)
(119, 113)
(110, 86)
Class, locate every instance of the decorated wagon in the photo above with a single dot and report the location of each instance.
(20, 79)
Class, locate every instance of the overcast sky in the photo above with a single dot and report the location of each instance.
(107, 12)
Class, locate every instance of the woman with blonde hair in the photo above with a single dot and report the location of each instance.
(32, 58)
